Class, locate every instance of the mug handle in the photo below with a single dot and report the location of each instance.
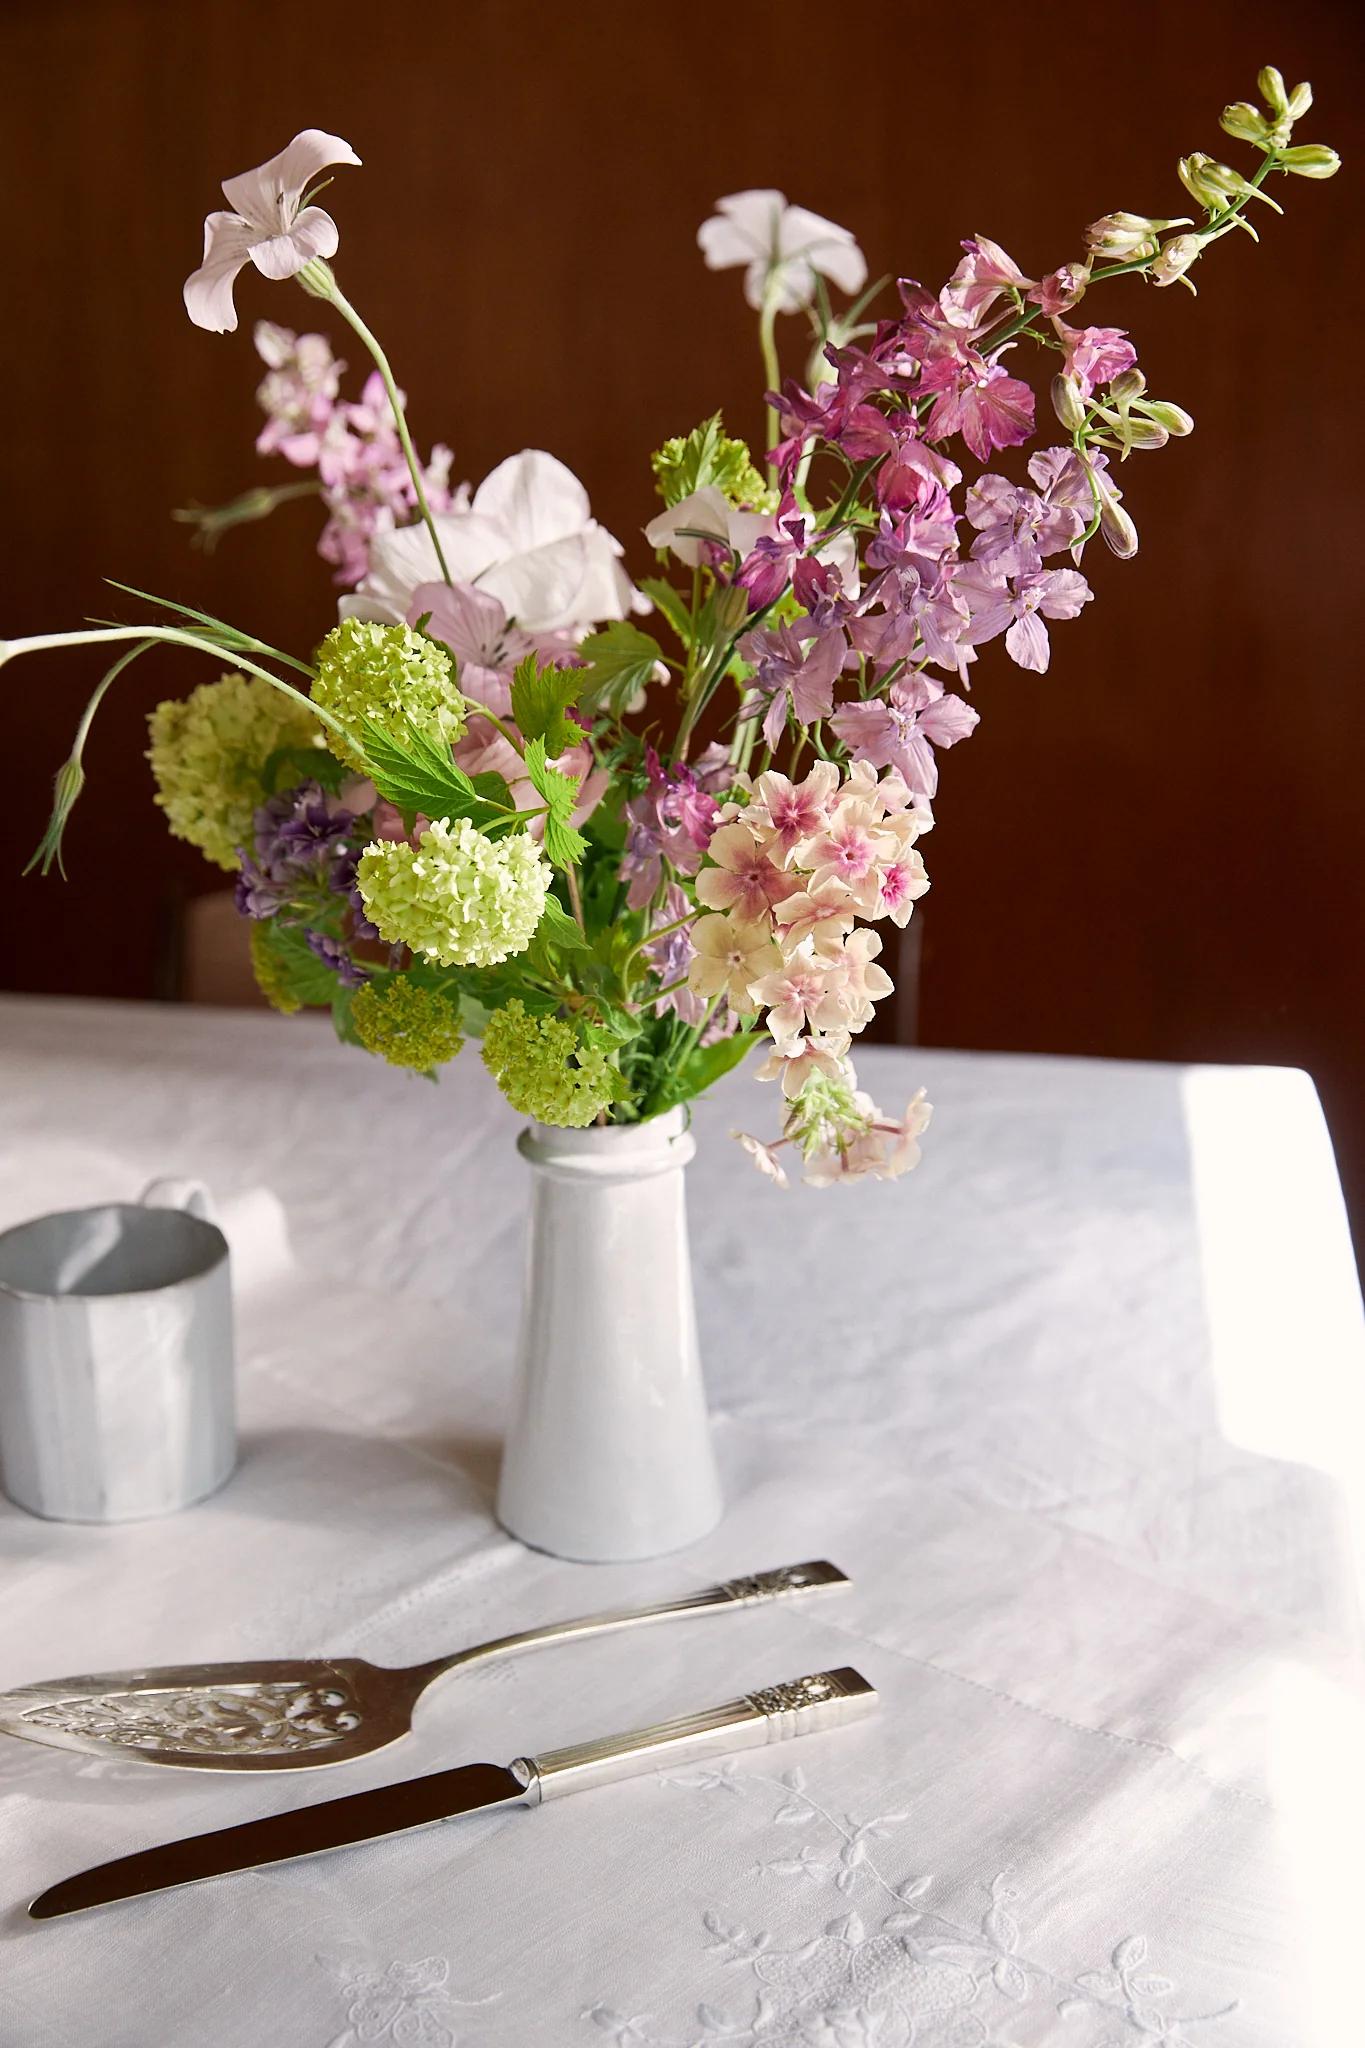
(190, 1195)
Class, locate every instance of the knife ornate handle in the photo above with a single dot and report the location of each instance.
(824, 1699)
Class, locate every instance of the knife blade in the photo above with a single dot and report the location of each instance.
(774, 1713)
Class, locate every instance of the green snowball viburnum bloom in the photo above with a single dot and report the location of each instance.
(208, 752)
(457, 897)
(407, 1025)
(544, 1069)
(392, 675)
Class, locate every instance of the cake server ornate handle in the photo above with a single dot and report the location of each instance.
(754, 1589)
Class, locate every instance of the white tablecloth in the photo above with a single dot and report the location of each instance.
(1079, 1407)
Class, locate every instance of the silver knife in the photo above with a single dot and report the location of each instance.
(825, 1699)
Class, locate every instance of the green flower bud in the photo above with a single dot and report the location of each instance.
(1067, 402)
(1175, 258)
(1271, 84)
(1311, 160)
(1125, 235)
(1300, 100)
(1194, 171)
(1117, 529)
(1127, 386)
(1246, 122)
(1173, 418)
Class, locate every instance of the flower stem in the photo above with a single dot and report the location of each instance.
(318, 279)
(767, 341)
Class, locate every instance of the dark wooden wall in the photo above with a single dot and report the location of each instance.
(1154, 851)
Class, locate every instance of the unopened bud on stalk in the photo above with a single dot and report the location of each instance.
(1311, 160)
(1117, 529)
(1132, 431)
(1247, 123)
(1173, 418)
(1128, 385)
(1214, 184)
(1175, 258)
(1271, 85)
(1125, 235)
(1067, 403)
(1300, 100)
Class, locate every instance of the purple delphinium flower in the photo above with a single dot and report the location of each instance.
(1018, 607)
(896, 731)
(1016, 528)
(788, 675)
(766, 570)
(670, 957)
(334, 955)
(671, 819)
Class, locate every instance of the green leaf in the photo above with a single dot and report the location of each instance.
(304, 764)
(540, 697)
(621, 661)
(564, 847)
(417, 774)
(672, 604)
(559, 930)
(296, 974)
(708, 455)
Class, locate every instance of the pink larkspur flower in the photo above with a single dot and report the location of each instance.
(988, 407)
(1019, 608)
(1016, 528)
(269, 226)
(902, 729)
(984, 275)
(1094, 355)
(790, 676)
(1061, 289)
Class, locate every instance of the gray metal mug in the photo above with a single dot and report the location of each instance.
(116, 1361)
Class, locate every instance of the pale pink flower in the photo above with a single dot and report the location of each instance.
(1094, 355)
(903, 882)
(764, 1157)
(850, 846)
(984, 275)
(474, 625)
(729, 958)
(884, 1151)
(896, 731)
(743, 879)
(787, 812)
(806, 991)
(795, 1062)
(1061, 289)
(269, 225)
(820, 914)
(297, 394)
(863, 984)
(781, 249)
(1020, 608)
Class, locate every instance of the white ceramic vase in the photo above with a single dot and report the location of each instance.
(609, 1452)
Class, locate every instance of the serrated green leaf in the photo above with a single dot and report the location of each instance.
(564, 845)
(672, 604)
(540, 698)
(558, 790)
(708, 456)
(621, 661)
(417, 774)
(558, 929)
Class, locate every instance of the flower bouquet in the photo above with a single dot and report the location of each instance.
(495, 804)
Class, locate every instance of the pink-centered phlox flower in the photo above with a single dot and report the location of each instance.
(883, 1150)
(863, 983)
(297, 393)
(805, 991)
(1094, 355)
(902, 729)
(848, 850)
(271, 225)
(729, 958)
(1016, 528)
(819, 916)
(788, 676)
(785, 812)
(743, 880)
(793, 1062)
(1018, 608)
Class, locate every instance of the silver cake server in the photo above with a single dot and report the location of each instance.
(823, 1700)
(295, 1714)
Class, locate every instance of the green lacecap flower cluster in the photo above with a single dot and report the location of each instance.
(406, 1024)
(459, 898)
(689, 462)
(544, 1068)
(207, 752)
(391, 674)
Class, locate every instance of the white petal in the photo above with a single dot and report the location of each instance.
(707, 510)
(535, 498)
(744, 226)
(607, 591)
(541, 588)
(402, 559)
(268, 197)
(314, 233)
(208, 291)
(825, 246)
